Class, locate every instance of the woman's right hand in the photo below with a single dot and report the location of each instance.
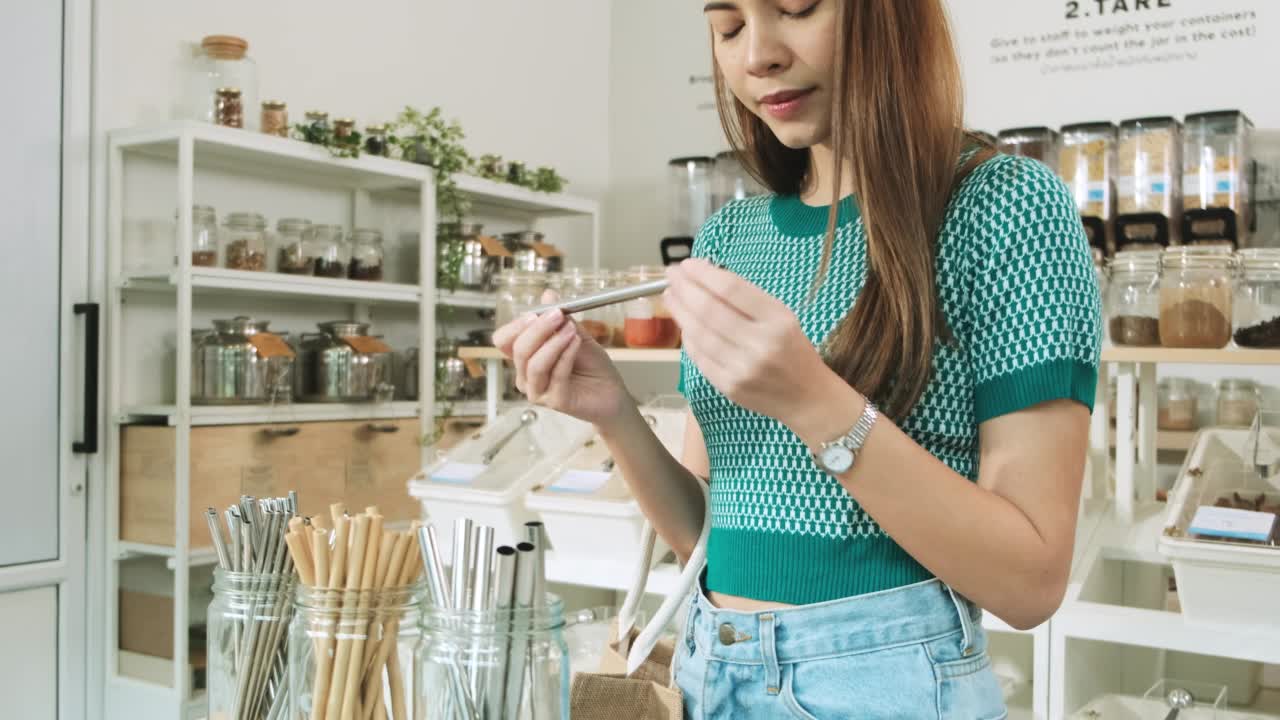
(558, 366)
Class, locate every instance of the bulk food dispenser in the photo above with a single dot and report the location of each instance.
(1217, 179)
(690, 199)
(1148, 189)
(1086, 163)
(1037, 143)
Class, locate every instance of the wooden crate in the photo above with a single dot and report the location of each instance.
(326, 462)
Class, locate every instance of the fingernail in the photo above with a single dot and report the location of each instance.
(566, 329)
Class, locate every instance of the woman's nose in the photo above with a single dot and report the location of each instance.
(767, 54)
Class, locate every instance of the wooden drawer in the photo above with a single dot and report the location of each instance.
(326, 462)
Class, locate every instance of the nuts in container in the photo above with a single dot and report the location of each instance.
(296, 256)
(246, 241)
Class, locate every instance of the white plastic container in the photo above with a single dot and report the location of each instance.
(463, 485)
(1221, 582)
(585, 503)
(1210, 704)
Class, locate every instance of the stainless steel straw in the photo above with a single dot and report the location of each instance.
(503, 599)
(605, 297)
(439, 589)
(543, 702)
(481, 601)
(521, 612)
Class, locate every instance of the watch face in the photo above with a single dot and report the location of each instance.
(836, 459)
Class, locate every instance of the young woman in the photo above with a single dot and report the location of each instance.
(890, 363)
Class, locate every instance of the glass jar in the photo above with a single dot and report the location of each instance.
(1196, 297)
(318, 121)
(618, 317)
(1133, 299)
(223, 63)
(375, 140)
(1215, 180)
(1257, 302)
(295, 251)
(1037, 143)
(732, 182)
(1238, 401)
(246, 241)
(1148, 188)
(1086, 163)
(275, 118)
(247, 626)
(228, 108)
(366, 255)
(510, 664)
(1177, 405)
(648, 324)
(599, 323)
(517, 292)
(332, 253)
(343, 128)
(691, 194)
(204, 236)
(380, 627)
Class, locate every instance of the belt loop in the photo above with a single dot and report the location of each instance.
(772, 675)
(966, 620)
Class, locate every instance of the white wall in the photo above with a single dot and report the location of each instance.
(528, 80)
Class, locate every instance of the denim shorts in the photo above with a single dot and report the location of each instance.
(912, 652)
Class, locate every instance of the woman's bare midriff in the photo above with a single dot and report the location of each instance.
(741, 604)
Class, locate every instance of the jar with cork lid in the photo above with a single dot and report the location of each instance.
(222, 64)
(1196, 288)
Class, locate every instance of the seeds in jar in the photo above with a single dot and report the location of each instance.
(365, 271)
(330, 268)
(1265, 334)
(241, 257)
(1196, 318)
(1135, 331)
(1177, 415)
(292, 261)
(204, 258)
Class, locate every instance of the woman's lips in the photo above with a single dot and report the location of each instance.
(786, 104)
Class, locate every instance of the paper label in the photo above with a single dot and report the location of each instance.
(457, 473)
(1233, 524)
(366, 344)
(580, 481)
(1208, 184)
(493, 247)
(270, 345)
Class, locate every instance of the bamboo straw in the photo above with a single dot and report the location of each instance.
(369, 566)
(324, 656)
(350, 616)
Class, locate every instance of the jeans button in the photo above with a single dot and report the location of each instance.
(728, 635)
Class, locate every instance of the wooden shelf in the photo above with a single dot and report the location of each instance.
(1173, 440)
(260, 414)
(622, 355)
(206, 280)
(1175, 356)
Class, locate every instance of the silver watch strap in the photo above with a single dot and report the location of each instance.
(857, 437)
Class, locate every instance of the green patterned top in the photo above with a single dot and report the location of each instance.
(1019, 294)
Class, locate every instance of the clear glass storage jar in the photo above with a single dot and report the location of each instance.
(246, 247)
(366, 255)
(354, 648)
(204, 236)
(599, 323)
(1133, 299)
(222, 63)
(1177, 404)
(1196, 297)
(247, 632)
(509, 664)
(691, 194)
(1148, 186)
(1037, 143)
(332, 253)
(1215, 179)
(1257, 302)
(517, 293)
(1238, 401)
(295, 251)
(648, 324)
(1086, 163)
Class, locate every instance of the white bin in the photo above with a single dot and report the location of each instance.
(588, 511)
(463, 485)
(1221, 583)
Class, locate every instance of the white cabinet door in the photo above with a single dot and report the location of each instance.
(29, 659)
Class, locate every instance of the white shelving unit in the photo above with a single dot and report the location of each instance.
(194, 157)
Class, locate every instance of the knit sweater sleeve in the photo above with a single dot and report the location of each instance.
(1035, 323)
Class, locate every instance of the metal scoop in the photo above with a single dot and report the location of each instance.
(526, 419)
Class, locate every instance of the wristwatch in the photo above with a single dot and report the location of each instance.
(837, 457)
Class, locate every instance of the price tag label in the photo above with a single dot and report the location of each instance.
(580, 481)
(1233, 524)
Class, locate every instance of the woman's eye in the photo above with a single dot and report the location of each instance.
(802, 13)
(731, 34)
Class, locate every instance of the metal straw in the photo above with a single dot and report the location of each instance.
(461, 562)
(439, 590)
(503, 599)
(481, 600)
(544, 703)
(605, 297)
(521, 611)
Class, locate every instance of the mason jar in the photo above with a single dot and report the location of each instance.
(246, 247)
(247, 629)
(517, 293)
(366, 255)
(1238, 400)
(1133, 299)
(648, 323)
(581, 282)
(353, 648)
(295, 253)
(204, 236)
(331, 251)
(1196, 287)
(1257, 300)
(509, 664)
(1177, 404)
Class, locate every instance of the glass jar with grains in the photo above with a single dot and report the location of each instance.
(366, 255)
(1133, 299)
(1215, 180)
(295, 253)
(204, 236)
(1148, 187)
(246, 241)
(1237, 402)
(581, 282)
(331, 251)
(1257, 303)
(1177, 405)
(1196, 297)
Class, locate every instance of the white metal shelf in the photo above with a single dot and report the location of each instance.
(623, 355)
(260, 414)
(467, 299)
(513, 197)
(250, 153)
(206, 280)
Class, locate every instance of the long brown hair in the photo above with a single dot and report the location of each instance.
(897, 119)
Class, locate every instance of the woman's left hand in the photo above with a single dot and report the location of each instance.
(746, 342)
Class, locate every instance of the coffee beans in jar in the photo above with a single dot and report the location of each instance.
(331, 251)
(366, 255)
(229, 108)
